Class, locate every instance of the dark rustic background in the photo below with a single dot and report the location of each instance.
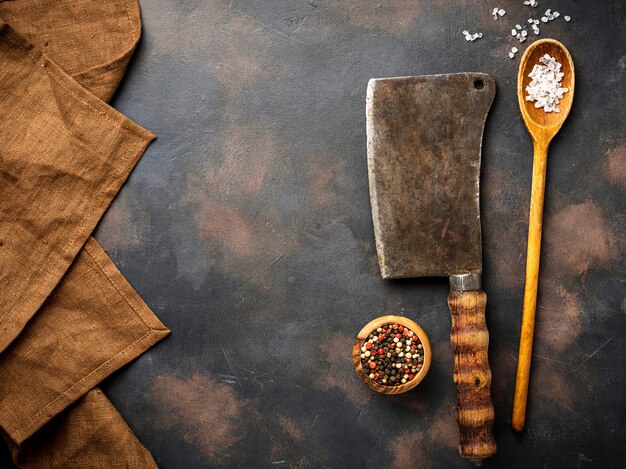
(247, 228)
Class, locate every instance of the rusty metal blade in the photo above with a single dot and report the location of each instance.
(424, 136)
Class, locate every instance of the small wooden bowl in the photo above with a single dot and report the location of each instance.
(362, 337)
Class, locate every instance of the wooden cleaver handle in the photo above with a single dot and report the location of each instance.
(472, 376)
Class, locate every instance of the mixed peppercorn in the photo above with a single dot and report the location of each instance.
(392, 355)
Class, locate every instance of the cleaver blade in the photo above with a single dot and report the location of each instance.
(424, 138)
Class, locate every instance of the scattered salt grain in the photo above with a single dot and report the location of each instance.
(545, 87)
(519, 32)
(471, 37)
(497, 12)
(550, 15)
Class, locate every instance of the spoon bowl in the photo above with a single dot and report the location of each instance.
(541, 124)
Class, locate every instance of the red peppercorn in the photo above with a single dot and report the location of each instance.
(372, 365)
(380, 351)
(399, 336)
(368, 345)
(411, 376)
(400, 328)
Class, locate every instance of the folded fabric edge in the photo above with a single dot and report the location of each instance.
(134, 350)
(106, 265)
(44, 449)
(156, 332)
(71, 85)
(102, 80)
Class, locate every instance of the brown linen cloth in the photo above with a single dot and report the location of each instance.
(90, 434)
(92, 41)
(91, 325)
(63, 156)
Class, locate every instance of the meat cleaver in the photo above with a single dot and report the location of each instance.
(424, 136)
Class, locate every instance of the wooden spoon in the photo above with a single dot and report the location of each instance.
(542, 126)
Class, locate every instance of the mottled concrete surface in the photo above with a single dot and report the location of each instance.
(247, 228)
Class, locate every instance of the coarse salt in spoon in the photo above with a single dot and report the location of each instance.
(542, 126)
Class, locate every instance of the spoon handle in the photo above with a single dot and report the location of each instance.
(532, 281)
